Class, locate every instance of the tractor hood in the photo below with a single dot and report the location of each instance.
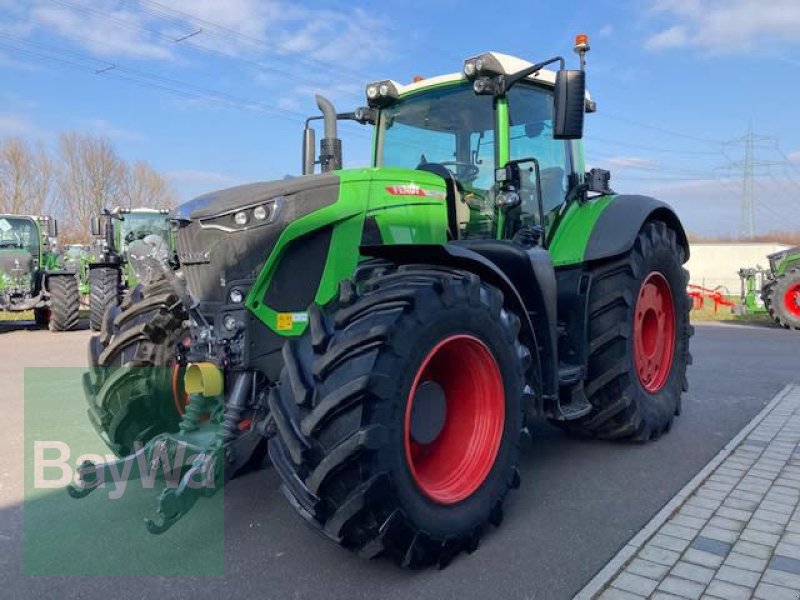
(233, 199)
(214, 250)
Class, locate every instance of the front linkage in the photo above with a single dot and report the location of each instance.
(214, 440)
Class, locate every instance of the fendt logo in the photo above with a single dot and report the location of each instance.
(412, 189)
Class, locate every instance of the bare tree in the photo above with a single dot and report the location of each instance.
(26, 178)
(146, 187)
(90, 177)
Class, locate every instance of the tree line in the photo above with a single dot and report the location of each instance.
(80, 178)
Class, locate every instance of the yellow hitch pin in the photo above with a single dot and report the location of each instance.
(203, 378)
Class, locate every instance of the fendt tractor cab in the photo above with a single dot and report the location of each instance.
(31, 276)
(123, 239)
(389, 332)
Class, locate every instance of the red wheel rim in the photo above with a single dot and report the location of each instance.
(791, 299)
(654, 332)
(179, 396)
(455, 464)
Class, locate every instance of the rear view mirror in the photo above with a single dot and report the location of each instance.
(52, 228)
(569, 99)
(94, 223)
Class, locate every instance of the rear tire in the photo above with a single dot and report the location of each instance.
(784, 299)
(103, 292)
(356, 461)
(134, 386)
(638, 340)
(65, 302)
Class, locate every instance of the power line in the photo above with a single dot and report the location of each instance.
(662, 129)
(185, 41)
(652, 148)
(160, 10)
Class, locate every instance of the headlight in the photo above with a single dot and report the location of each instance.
(236, 296)
(244, 218)
(229, 322)
(372, 92)
(469, 68)
(260, 213)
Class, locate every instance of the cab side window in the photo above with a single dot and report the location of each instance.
(531, 136)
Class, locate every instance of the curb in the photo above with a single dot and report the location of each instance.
(603, 577)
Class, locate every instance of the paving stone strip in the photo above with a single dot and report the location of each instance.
(733, 532)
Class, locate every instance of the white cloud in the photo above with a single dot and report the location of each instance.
(794, 157)
(261, 30)
(12, 125)
(191, 177)
(606, 31)
(105, 33)
(673, 37)
(630, 162)
(725, 26)
(713, 206)
(104, 128)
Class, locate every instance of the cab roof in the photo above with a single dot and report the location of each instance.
(510, 64)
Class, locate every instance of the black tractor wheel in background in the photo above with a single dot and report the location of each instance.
(135, 383)
(638, 340)
(784, 299)
(399, 414)
(104, 286)
(65, 302)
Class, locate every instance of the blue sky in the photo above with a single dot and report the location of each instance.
(676, 81)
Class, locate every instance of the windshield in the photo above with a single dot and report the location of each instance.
(137, 226)
(451, 128)
(20, 234)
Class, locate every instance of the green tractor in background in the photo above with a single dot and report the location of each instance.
(31, 275)
(123, 239)
(76, 258)
(775, 291)
(387, 334)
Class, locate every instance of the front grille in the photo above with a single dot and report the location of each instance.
(211, 258)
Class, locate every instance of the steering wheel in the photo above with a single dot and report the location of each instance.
(134, 235)
(471, 171)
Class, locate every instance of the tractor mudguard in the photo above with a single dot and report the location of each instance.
(526, 278)
(618, 225)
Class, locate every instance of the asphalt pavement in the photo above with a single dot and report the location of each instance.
(579, 503)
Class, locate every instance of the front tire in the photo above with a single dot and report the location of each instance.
(65, 302)
(399, 415)
(784, 300)
(134, 386)
(638, 340)
(103, 292)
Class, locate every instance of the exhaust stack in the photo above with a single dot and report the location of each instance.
(330, 147)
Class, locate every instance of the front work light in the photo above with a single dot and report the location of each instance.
(381, 93)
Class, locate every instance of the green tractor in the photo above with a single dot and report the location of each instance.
(123, 239)
(777, 288)
(76, 258)
(388, 333)
(31, 275)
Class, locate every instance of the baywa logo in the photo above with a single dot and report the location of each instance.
(52, 468)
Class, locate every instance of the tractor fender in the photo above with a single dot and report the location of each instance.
(533, 302)
(619, 224)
